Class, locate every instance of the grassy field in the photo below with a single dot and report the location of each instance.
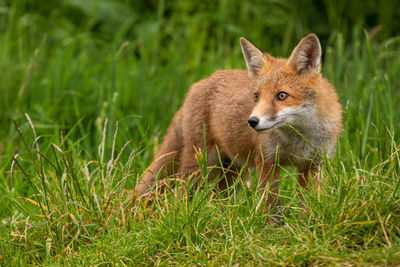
(87, 89)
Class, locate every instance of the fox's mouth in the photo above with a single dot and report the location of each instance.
(266, 129)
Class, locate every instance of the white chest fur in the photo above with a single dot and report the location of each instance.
(299, 146)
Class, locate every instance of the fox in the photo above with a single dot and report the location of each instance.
(280, 108)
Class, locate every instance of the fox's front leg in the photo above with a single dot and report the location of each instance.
(309, 177)
(269, 182)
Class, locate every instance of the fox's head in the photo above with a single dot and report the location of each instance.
(284, 90)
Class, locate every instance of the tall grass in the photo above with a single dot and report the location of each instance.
(89, 87)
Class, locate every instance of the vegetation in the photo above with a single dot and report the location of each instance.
(89, 87)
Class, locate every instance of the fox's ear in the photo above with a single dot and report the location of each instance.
(306, 57)
(254, 57)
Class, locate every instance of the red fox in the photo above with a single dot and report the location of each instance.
(280, 108)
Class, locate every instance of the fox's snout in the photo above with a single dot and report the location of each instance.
(253, 121)
(265, 123)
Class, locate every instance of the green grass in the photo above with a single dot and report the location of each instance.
(89, 87)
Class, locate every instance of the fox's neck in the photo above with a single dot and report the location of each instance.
(301, 142)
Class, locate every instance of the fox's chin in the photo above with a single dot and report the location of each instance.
(264, 130)
(270, 128)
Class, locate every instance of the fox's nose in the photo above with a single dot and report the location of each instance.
(253, 121)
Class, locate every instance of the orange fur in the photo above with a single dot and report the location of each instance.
(225, 101)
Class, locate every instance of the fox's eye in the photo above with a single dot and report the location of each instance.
(255, 96)
(282, 96)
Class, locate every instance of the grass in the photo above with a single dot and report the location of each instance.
(89, 89)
